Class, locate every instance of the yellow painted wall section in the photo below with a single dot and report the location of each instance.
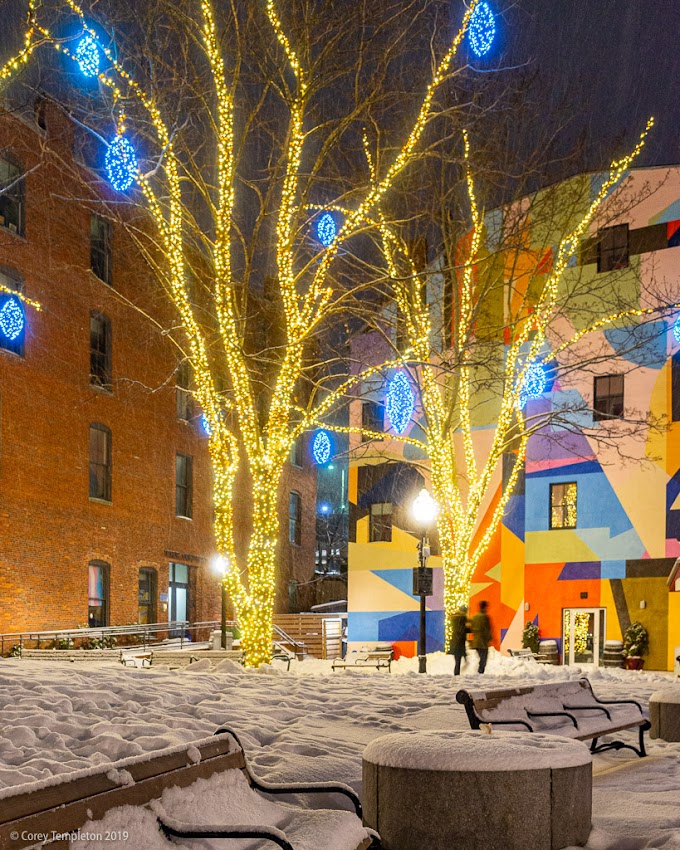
(512, 569)
(547, 547)
(612, 619)
(654, 591)
(673, 626)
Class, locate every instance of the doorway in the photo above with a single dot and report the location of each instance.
(583, 634)
(178, 595)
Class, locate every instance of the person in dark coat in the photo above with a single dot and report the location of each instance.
(460, 627)
(481, 634)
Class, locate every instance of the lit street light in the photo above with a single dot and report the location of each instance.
(220, 566)
(424, 511)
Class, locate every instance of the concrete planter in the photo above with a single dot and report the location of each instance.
(473, 797)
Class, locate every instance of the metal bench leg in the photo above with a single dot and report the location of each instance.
(593, 745)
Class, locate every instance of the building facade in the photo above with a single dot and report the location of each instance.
(591, 533)
(106, 508)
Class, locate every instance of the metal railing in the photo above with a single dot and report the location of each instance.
(145, 633)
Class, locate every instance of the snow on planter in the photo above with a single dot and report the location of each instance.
(476, 751)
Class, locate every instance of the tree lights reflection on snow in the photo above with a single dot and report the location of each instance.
(12, 319)
(482, 29)
(326, 230)
(321, 447)
(400, 402)
(121, 163)
(87, 56)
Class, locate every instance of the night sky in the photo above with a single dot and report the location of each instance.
(616, 62)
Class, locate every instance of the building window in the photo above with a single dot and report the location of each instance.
(100, 462)
(97, 594)
(183, 485)
(372, 418)
(563, 505)
(295, 518)
(675, 387)
(12, 197)
(608, 397)
(296, 452)
(100, 351)
(146, 611)
(179, 595)
(612, 248)
(183, 398)
(380, 522)
(12, 316)
(100, 248)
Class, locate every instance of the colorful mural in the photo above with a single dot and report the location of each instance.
(626, 475)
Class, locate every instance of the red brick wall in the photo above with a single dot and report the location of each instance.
(49, 527)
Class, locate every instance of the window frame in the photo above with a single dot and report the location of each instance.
(295, 519)
(184, 489)
(613, 254)
(296, 456)
(609, 400)
(107, 465)
(103, 381)
(16, 195)
(562, 506)
(184, 399)
(105, 252)
(152, 613)
(372, 419)
(106, 586)
(380, 531)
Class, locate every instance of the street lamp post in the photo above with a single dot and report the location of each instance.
(221, 567)
(424, 510)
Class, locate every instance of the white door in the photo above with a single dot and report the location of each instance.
(583, 633)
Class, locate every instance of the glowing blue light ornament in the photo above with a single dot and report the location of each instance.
(87, 56)
(12, 319)
(321, 447)
(676, 330)
(533, 385)
(400, 402)
(121, 163)
(205, 424)
(326, 230)
(481, 29)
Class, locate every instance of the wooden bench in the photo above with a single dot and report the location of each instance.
(381, 657)
(527, 653)
(569, 708)
(65, 803)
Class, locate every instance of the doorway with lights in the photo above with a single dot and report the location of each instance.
(583, 635)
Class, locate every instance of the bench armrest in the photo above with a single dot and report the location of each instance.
(177, 829)
(553, 714)
(303, 788)
(620, 702)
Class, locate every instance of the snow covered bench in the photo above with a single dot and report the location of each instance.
(46, 813)
(527, 653)
(379, 657)
(570, 709)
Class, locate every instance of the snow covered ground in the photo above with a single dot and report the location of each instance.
(309, 724)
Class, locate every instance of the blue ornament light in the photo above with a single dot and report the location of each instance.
(87, 56)
(12, 319)
(533, 385)
(121, 163)
(322, 447)
(482, 29)
(676, 330)
(326, 229)
(400, 402)
(205, 424)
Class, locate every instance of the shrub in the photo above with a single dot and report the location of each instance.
(635, 640)
(530, 636)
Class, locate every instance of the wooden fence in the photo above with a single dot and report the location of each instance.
(320, 633)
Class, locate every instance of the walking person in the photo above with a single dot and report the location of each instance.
(460, 626)
(481, 634)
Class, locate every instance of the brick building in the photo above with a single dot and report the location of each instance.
(105, 480)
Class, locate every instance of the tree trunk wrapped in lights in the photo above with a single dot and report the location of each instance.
(185, 107)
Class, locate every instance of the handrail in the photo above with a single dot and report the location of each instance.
(286, 638)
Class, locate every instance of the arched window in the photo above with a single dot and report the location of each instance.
(98, 594)
(12, 195)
